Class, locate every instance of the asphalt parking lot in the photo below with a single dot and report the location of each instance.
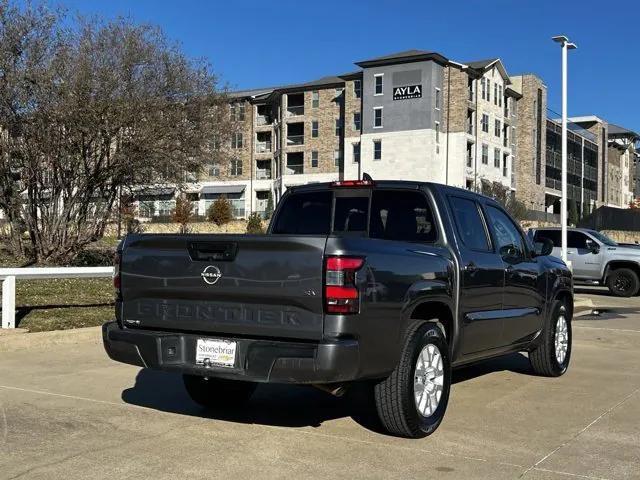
(67, 411)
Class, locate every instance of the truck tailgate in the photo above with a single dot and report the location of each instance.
(235, 285)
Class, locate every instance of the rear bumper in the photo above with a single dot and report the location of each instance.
(257, 360)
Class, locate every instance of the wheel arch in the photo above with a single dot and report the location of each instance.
(433, 309)
(615, 264)
(566, 297)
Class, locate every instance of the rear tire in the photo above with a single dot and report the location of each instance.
(552, 356)
(412, 401)
(217, 392)
(623, 282)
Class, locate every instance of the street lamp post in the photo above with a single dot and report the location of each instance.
(566, 45)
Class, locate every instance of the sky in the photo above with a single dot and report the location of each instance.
(254, 43)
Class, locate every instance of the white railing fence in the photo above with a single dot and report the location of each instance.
(8, 278)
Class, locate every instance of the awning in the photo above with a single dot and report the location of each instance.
(154, 191)
(209, 189)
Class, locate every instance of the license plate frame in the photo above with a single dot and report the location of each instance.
(216, 352)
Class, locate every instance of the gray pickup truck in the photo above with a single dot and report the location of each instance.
(597, 259)
(392, 283)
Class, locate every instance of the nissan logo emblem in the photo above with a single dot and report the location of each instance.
(211, 274)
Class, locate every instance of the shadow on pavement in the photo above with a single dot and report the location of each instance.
(290, 405)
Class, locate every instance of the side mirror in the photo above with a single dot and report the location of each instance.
(510, 253)
(593, 247)
(543, 247)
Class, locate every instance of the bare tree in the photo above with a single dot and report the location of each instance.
(88, 111)
(506, 197)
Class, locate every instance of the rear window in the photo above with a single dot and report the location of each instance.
(351, 214)
(402, 215)
(305, 214)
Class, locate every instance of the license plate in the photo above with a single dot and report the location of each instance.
(213, 352)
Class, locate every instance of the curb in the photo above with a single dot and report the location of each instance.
(22, 340)
(582, 307)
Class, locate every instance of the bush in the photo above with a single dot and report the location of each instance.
(254, 225)
(220, 212)
(94, 257)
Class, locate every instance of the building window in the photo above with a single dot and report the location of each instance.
(505, 164)
(483, 82)
(495, 94)
(488, 90)
(437, 127)
(485, 123)
(377, 117)
(485, 154)
(337, 157)
(315, 99)
(357, 121)
(338, 127)
(314, 159)
(314, 128)
(236, 140)
(214, 171)
(501, 94)
(496, 157)
(357, 88)
(498, 128)
(235, 167)
(437, 99)
(237, 112)
(378, 79)
(356, 153)
(377, 149)
(469, 155)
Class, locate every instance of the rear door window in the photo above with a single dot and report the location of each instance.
(403, 216)
(469, 224)
(305, 214)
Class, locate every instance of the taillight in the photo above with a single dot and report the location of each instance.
(340, 291)
(116, 274)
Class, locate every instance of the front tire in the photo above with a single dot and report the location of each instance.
(623, 282)
(412, 401)
(213, 393)
(552, 356)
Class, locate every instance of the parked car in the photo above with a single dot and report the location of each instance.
(393, 283)
(597, 259)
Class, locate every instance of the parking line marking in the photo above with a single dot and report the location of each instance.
(565, 443)
(576, 475)
(605, 328)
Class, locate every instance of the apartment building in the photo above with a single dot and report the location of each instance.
(410, 115)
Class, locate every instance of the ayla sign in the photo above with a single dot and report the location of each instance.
(410, 91)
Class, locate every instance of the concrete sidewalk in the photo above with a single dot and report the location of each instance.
(67, 411)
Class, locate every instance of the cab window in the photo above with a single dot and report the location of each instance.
(509, 241)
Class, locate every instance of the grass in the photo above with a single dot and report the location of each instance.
(60, 304)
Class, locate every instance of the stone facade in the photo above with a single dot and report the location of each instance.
(531, 141)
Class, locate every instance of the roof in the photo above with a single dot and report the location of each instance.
(157, 191)
(481, 64)
(618, 131)
(209, 189)
(403, 57)
(484, 65)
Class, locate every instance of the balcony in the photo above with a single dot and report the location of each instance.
(263, 174)
(293, 140)
(295, 163)
(263, 147)
(471, 129)
(295, 105)
(295, 134)
(264, 120)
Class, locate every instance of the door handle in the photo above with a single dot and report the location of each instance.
(470, 267)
